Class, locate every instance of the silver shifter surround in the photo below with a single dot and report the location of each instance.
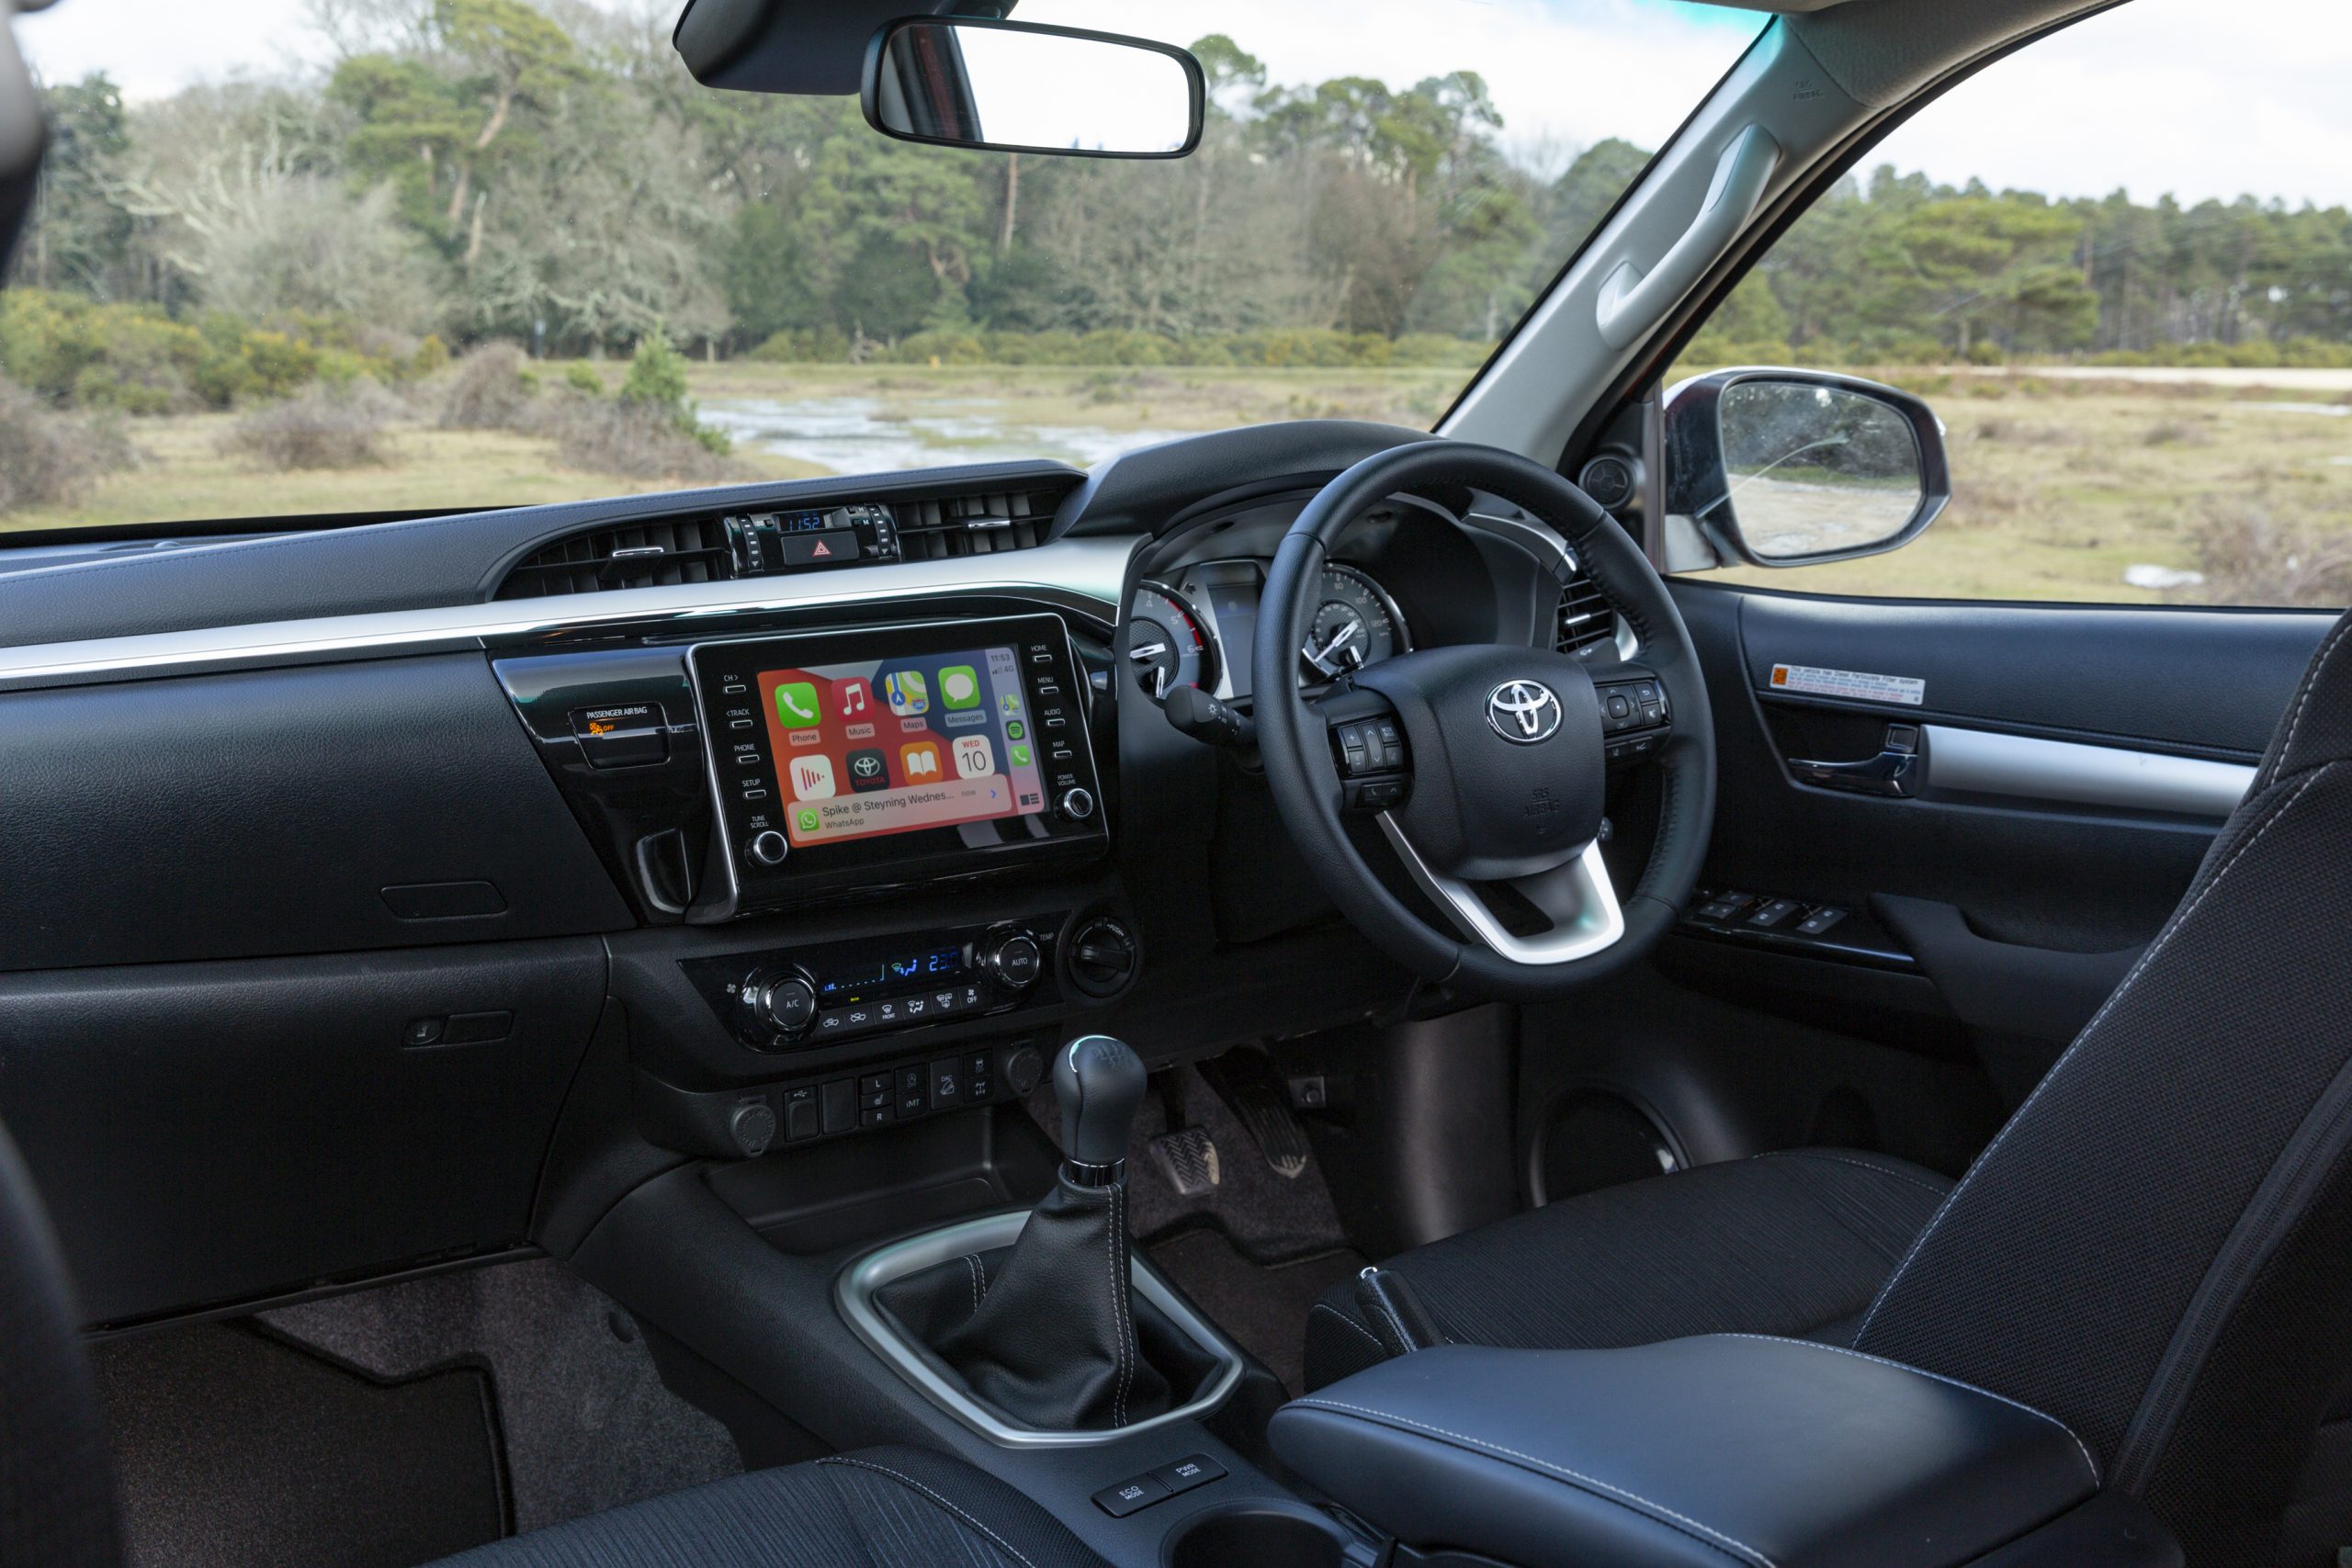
(853, 1295)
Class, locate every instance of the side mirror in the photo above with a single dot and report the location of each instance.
(1024, 88)
(1789, 468)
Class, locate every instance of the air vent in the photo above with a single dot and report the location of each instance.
(643, 555)
(1587, 620)
(975, 525)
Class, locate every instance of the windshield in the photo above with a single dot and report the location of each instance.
(349, 257)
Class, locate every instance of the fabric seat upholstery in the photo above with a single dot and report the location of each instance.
(874, 1508)
(1789, 1244)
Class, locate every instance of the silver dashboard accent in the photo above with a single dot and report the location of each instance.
(853, 1295)
(1084, 575)
(1559, 559)
(2027, 767)
(1577, 896)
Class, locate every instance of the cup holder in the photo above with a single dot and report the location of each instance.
(1256, 1535)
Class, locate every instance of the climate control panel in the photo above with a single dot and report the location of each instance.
(833, 993)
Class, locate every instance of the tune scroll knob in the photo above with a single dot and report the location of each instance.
(1011, 958)
(767, 849)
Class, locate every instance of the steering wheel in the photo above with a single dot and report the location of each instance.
(1495, 807)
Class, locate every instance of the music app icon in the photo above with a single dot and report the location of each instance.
(851, 698)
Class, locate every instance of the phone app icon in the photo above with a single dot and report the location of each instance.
(812, 777)
(806, 821)
(919, 762)
(868, 769)
(1015, 730)
(851, 698)
(973, 758)
(795, 704)
(908, 692)
(1020, 755)
(959, 686)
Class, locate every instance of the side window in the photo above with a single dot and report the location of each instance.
(2118, 266)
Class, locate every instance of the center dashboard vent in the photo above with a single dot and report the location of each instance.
(975, 525)
(1587, 620)
(639, 555)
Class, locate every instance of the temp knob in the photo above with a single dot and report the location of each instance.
(768, 848)
(789, 1004)
(1078, 804)
(1013, 959)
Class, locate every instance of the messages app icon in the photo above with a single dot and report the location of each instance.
(910, 692)
(959, 686)
(795, 704)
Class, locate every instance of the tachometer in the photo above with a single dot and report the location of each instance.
(1355, 624)
(1165, 647)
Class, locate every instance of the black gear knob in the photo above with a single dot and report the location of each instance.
(1100, 1082)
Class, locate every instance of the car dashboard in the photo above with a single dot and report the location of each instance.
(347, 862)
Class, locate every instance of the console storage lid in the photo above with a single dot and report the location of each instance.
(1694, 1454)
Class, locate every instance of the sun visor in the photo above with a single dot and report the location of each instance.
(816, 47)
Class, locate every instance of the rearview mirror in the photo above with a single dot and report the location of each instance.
(1019, 88)
(1789, 468)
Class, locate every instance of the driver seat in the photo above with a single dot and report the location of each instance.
(2156, 1250)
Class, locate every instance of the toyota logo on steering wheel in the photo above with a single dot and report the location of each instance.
(1523, 712)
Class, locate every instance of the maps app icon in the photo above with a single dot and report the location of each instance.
(910, 692)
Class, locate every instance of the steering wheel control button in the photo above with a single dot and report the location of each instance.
(768, 848)
(1078, 804)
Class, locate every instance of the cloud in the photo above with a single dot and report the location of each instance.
(2153, 96)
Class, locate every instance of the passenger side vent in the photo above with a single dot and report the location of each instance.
(644, 555)
(1587, 620)
(975, 525)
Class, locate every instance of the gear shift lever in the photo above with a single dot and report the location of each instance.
(1045, 1330)
(1100, 1082)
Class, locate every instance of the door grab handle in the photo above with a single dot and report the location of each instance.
(1889, 772)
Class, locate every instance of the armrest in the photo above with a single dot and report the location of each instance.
(1694, 1453)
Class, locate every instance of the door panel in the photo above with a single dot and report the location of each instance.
(2087, 757)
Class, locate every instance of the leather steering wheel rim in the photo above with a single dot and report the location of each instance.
(1310, 796)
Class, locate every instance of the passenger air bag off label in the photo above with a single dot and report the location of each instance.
(1855, 685)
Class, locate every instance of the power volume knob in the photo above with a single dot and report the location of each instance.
(1013, 958)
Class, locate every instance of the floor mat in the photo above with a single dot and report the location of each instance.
(1263, 1307)
(234, 1449)
(588, 1423)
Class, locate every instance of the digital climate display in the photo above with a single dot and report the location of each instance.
(899, 744)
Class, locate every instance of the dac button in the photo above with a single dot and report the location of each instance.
(946, 1084)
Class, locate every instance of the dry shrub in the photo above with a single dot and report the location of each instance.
(492, 388)
(2176, 432)
(2250, 556)
(1975, 502)
(48, 457)
(2024, 433)
(321, 428)
(637, 441)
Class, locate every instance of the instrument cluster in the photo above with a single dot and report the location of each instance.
(1198, 627)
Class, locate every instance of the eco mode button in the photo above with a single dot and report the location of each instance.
(625, 735)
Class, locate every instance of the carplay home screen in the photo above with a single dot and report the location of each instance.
(897, 745)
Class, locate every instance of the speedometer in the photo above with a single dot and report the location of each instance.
(1355, 624)
(1165, 647)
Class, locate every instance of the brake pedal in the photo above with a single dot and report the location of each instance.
(1188, 1158)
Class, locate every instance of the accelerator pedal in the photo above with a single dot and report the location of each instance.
(1279, 1137)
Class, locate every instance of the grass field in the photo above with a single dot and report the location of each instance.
(2062, 484)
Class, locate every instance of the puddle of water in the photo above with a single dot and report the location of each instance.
(850, 435)
(2332, 410)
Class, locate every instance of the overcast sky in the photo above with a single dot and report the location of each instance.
(2155, 97)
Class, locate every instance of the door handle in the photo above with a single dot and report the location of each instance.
(1893, 772)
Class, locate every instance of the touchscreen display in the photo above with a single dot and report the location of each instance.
(896, 745)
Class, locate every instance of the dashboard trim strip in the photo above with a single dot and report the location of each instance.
(1981, 762)
(1083, 575)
